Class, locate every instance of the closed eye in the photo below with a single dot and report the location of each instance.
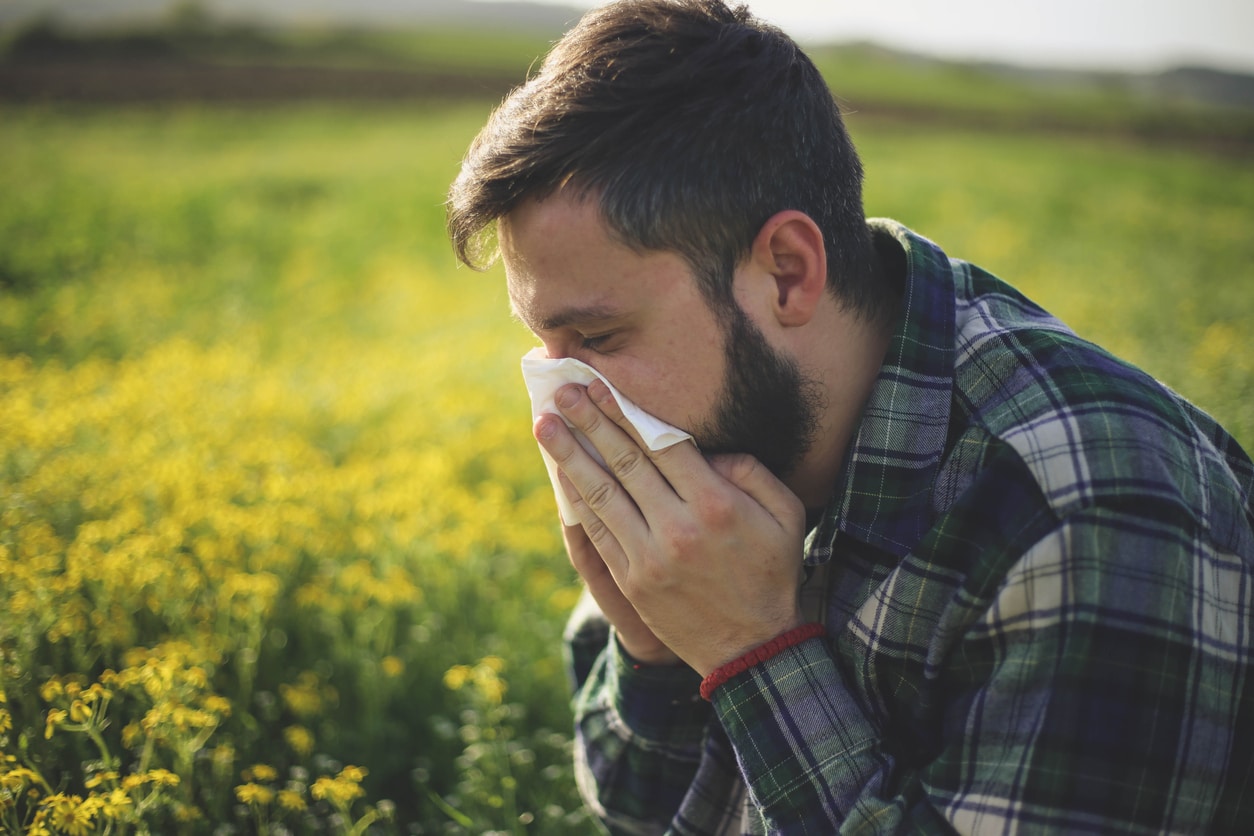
(598, 343)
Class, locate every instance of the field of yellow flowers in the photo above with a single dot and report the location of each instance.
(277, 553)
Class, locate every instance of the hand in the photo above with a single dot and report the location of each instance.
(706, 553)
(634, 636)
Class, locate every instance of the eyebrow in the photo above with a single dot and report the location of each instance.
(565, 317)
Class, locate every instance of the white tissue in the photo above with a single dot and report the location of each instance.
(544, 376)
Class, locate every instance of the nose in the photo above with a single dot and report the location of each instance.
(553, 349)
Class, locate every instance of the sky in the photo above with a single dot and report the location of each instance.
(1099, 34)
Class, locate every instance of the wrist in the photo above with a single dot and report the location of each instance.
(654, 654)
(758, 655)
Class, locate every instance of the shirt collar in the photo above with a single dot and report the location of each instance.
(884, 492)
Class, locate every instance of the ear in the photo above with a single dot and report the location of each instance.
(791, 259)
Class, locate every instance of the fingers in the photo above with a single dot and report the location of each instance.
(588, 561)
(681, 466)
(633, 634)
(595, 413)
(606, 547)
(753, 478)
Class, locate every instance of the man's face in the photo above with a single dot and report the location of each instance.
(640, 319)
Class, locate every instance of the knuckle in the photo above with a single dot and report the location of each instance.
(745, 467)
(600, 495)
(792, 510)
(716, 510)
(666, 452)
(563, 455)
(627, 462)
(590, 421)
(597, 532)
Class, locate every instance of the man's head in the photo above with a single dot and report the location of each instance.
(690, 124)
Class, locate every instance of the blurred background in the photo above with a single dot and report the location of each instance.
(277, 554)
(1200, 50)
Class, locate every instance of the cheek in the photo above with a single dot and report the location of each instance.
(682, 393)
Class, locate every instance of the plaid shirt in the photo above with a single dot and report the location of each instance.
(1038, 611)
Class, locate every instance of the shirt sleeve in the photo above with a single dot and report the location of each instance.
(1096, 688)
(639, 730)
(810, 754)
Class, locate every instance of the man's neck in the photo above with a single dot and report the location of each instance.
(846, 364)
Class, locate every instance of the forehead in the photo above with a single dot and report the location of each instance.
(563, 266)
(543, 241)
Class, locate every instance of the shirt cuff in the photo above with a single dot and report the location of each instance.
(792, 710)
(657, 702)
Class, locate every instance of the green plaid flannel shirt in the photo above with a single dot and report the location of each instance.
(1038, 614)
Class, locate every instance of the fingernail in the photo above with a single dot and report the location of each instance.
(545, 428)
(568, 396)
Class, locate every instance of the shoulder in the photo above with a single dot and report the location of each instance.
(1088, 428)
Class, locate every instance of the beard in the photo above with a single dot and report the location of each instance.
(768, 407)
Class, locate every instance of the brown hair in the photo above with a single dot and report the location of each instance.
(691, 123)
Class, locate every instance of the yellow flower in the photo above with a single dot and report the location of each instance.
(79, 712)
(56, 717)
(6, 720)
(15, 779)
(96, 692)
(487, 679)
(342, 790)
(69, 814)
(217, 705)
(392, 666)
(99, 778)
(290, 800)
(131, 734)
(456, 677)
(260, 772)
(357, 774)
(163, 777)
(115, 803)
(51, 689)
(300, 739)
(254, 794)
(305, 698)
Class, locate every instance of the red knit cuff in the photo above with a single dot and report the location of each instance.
(758, 655)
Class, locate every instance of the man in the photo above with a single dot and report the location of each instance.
(934, 563)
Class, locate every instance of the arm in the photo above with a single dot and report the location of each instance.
(1089, 690)
(639, 728)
